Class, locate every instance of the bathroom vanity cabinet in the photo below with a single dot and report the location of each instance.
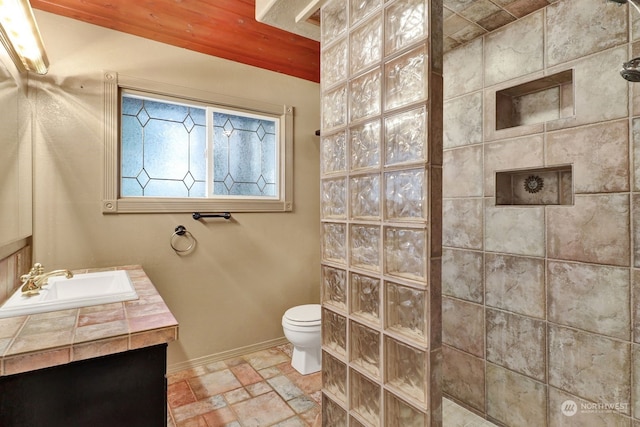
(126, 389)
(95, 366)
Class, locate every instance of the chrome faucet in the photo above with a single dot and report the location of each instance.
(33, 281)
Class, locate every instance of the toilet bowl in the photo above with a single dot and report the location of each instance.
(302, 327)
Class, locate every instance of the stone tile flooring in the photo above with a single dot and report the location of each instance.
(261, 389)
(454, 415)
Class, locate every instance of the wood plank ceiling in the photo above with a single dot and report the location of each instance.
(222, 28)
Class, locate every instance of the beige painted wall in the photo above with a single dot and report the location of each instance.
(15, 161)
(232, 291)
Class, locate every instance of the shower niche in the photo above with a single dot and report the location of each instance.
(543, 100)
(543, 186)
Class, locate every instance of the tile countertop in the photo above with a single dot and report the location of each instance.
(43, 340)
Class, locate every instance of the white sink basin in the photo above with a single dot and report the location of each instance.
(81, 290)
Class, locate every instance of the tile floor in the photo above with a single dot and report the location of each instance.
(261, 389)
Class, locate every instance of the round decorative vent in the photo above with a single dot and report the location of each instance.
(533, 184)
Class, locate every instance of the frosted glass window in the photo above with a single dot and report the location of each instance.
(244, 155)
(179, 149)
(165, 146)
(163, 149)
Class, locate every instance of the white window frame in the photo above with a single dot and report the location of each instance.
(112, 201)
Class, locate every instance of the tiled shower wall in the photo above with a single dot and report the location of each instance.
(381, 154)
(11, 268)
(541, 304)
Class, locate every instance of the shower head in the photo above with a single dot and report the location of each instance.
(633, 3)
(631, 70)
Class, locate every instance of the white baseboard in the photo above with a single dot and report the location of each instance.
(204, 360)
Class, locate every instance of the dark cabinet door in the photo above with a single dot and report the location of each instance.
(126, 389)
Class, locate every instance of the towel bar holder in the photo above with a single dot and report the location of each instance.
(198, 215)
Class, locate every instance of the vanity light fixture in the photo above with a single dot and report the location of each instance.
(20, 36)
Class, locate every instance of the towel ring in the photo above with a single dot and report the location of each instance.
(180, 231)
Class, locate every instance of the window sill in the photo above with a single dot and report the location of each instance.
(167, 205)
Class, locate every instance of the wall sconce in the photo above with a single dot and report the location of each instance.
(20, 36)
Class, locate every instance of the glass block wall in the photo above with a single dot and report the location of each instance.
(381, 154)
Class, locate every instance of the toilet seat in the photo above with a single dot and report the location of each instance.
(303, 315)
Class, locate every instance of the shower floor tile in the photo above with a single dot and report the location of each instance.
(454, 415)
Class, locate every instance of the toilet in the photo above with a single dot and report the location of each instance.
(302, 327)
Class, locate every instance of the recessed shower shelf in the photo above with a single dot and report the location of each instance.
(535, 187)
(546, 99)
